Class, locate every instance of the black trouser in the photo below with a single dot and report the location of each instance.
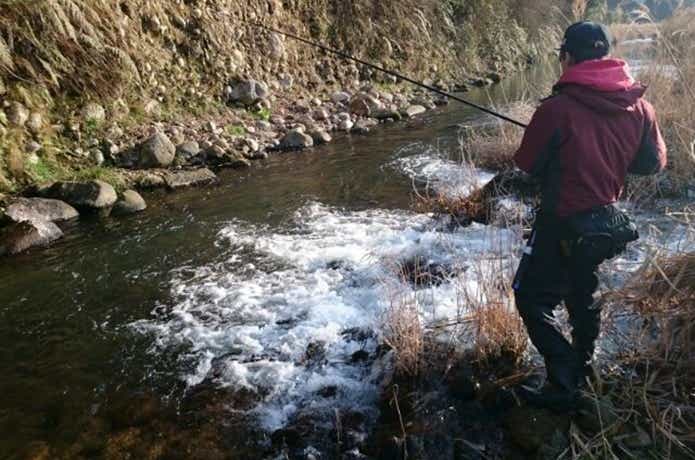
(552, 273)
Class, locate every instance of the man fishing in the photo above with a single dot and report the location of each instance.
(581, 143)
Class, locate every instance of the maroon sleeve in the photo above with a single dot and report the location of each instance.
(651, 155)
(539, 135)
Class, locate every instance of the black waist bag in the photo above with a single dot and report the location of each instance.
(601, 233)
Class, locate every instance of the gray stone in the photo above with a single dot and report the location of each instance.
(387, 114)
(345, 125)
(130, 202)
(252, 144)
(21, 236)
(31, 148)
(156, 152)
(364, 125)
(321, 114)
(276, 46)
(263, 125)
(39, 209)
(340, 97)
(186, 151)
(3, 88)
(414, 110)
(296, 140)
(320, 137)
(35, 123)
(97, 156)
(93, 112)
(249, 92)
(17, 114)
(202, 176)
(94, 194)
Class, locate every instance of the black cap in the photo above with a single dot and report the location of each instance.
(587, 40)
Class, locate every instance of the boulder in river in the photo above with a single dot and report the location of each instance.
(296, 139)
(179, 179)
(130, 202)
(39, 209)
(414, 110)
(94, 194)
(320, 137)
(21, 236)
(156, 152)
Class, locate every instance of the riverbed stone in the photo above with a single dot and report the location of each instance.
(21, 236)
(39, 209)
(156, 152)
(130, 202)
(94, 194)
(179, 179)
(186, 151)
(296, 139)
(414, 110)
(248, 92)
(320, 137)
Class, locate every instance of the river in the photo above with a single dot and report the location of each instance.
(233, 287)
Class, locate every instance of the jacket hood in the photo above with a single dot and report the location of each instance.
(605, 85)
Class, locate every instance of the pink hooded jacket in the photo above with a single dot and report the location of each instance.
(589, 135)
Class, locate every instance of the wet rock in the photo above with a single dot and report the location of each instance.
(365, 104)
(320, 137)
(93, 112)
(35, 123)
(202, 176)
(130, 202)
(94, 194)
(359, 107)
(248, 92)
(360, 356)
(156, 152)
(17, 114)
(186, 151)
(21, 236)
(364, 125)
(530, 428)
(39, 209)
(345, 125)
(414, 110)
(387, 114)
(296, 139)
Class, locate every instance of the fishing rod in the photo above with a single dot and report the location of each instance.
(345, 55)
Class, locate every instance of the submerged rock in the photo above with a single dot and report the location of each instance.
(21, 236)
(414, 110)
(39, 209)
(130, 202)
(94, 194)
(156, 152)
(321, 137)
(202, 176)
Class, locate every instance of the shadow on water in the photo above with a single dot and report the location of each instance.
(64, 345)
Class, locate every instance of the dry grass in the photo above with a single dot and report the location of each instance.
(404, 333)
(671, 81)
(492, 147)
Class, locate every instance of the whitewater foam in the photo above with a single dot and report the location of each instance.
(254, 316)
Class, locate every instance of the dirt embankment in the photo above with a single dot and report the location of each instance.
(79, 77)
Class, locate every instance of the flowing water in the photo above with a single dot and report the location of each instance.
(241, 286)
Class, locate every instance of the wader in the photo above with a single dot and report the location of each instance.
(560, 263)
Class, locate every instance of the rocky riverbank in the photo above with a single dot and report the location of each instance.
(183, 154)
